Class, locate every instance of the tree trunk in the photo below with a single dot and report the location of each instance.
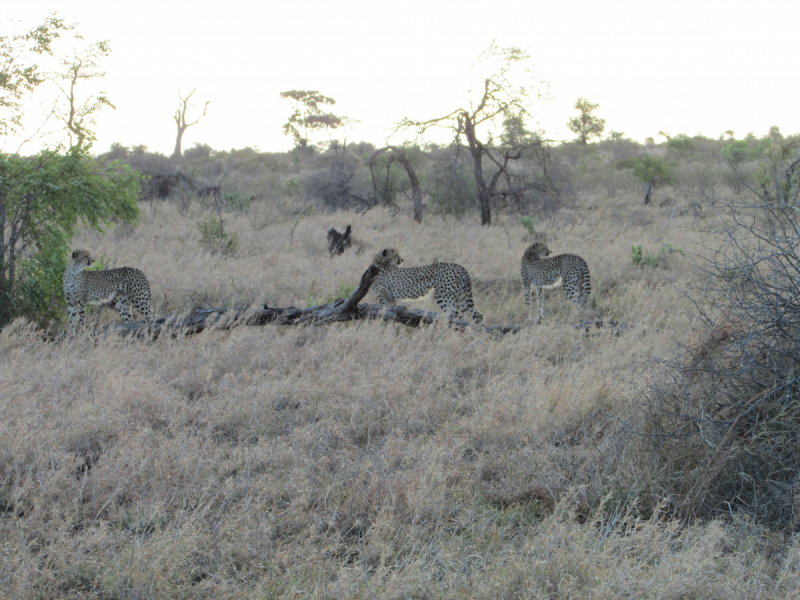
(6, 266)
(648, 190)
(416, 189)
(180, 121)
(178, 141)
(477, 151)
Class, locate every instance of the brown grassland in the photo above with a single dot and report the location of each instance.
(364, 460)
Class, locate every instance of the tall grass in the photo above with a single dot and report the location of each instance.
(361, 460)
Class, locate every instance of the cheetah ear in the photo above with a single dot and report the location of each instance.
(385, 252)
(74, 254)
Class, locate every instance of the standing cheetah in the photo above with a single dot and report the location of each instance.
(451, 285)
(122, 286)
(569, 270)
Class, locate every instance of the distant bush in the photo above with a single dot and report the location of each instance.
(451, 189)
(213, 238)
(694, 179)
(528, 223)
(594, 172)
(198, 151)
(740, 151)
(681, 145)
(655, 170)
(626, 163)
(339, 182)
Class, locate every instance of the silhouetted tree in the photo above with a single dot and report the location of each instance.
(308, 115)
(585, 125)
(180, 120)
(500, 99)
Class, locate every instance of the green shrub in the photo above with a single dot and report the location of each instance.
(528, 223)
(640, 256)
(344, 291)
(42, 198)
(236, 202)
(738, 152)
(654, 170)
(213, 238)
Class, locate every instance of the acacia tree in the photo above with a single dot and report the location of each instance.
(42, 197)
(501, 101)
(653, 170)
(309, 116)
(78, 117)
(180, 120)
(586, 125)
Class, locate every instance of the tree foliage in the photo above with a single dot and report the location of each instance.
(79, 117)
(19, 73)
(45, 196)
(42, 199)
(308, 116)
(654, 170)
(586, 125)
(502, 104)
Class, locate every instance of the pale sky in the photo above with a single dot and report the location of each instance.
(681, 66)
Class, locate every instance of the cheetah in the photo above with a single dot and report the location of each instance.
(122, 286)
(450, 282)
(569, 270)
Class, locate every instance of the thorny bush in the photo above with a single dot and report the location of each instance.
(722, 431)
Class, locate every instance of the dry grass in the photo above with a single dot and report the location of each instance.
(362, 460)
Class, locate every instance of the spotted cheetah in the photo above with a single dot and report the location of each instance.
(122, 286)
(569, 270)
(450, 282)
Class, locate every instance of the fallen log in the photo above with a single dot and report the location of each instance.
(340, 310)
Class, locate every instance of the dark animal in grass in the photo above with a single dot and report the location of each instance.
(339, 242)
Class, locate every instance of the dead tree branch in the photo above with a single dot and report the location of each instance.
(342, 310)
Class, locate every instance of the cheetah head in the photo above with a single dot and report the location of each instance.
(386, 259)
(538, 250)
(81, 259)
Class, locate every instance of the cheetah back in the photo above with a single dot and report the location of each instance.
(450, 282)
(102, 286)
(568, 269)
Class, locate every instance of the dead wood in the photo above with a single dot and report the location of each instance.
(341, 310)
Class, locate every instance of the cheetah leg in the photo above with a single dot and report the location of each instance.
(145, 307)
(77, 316)
(526, 285)
(123, 308)
(539, 306)
(74, 318)
(571, 287)
(447, 306)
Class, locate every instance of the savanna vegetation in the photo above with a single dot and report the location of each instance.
(646, 446)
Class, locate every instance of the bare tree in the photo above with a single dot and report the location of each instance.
(416, 189)
(501, 99)
(180, 120)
